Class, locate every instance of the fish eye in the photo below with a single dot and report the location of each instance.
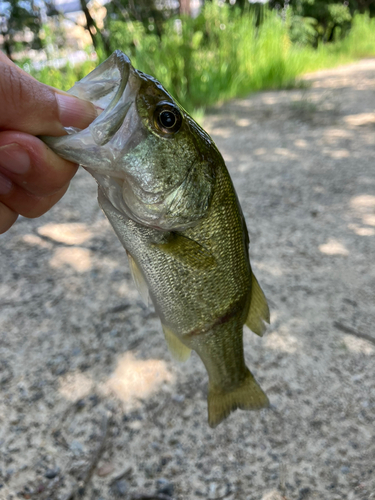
(167, 118)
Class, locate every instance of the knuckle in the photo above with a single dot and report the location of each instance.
(11, 86)
(18, 96)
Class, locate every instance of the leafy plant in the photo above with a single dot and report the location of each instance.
(224, 53)
(303, 30)
(14, 18)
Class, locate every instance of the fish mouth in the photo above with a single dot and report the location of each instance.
(107, 88)
(113, 87)
(102, 147)
(106, 147)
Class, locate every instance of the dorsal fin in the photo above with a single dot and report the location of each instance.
(139, 280)
(179, 351)
(258, 310)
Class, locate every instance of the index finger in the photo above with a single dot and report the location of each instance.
(37, 109)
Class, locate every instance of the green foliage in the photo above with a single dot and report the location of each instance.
(53, 36)
(148, 12)
(359, 43)
(62, 78)
(224, 54)
(302, 30)
(16, 16)
(332, 19)
(215, 56)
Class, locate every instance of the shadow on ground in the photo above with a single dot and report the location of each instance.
(90, 398)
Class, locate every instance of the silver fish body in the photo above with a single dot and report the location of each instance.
(166, 191)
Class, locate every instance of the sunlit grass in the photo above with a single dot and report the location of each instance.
(64, 78)
(223, 54)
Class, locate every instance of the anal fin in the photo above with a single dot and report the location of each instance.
(258, 310)
(179, 351)
(139, 280)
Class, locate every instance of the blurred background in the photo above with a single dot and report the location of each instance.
(203, 51)
(92, 406)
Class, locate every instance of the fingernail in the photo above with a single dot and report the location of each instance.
(14, 159)
(5, 185)
(74, 112)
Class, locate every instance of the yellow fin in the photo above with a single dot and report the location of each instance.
(247, 396)
(188, 251)
(139, 280)
(179, 351)
(258, 310)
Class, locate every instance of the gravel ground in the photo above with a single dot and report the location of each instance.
(91, 404)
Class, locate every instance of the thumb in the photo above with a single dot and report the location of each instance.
(37, 109)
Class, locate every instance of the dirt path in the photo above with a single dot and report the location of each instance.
(88, 391)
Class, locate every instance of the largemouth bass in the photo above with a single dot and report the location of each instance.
(165, 189)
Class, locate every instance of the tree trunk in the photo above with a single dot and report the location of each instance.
(94, 30)
(185, 7)
(7, 46)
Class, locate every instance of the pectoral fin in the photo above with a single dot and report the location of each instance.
(179, 351)
(139, 280)
(188, 251)
(258, 310)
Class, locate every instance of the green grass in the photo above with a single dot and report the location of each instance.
(223, 54)
(63, 78)
(359, 43)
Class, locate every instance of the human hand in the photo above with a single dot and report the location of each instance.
(32, 177)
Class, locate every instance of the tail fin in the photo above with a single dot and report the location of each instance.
(247, 396)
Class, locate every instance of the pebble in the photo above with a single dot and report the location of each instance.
(304, 493)
(38, 395)
(272, 495)
(164, 487)
(94, 399)
(81, 403)
(188, 412)
(51, 473)
(179, 398)
(120, 488)
(212, 490)
(105, 469)
(135, 426)
(76, 447)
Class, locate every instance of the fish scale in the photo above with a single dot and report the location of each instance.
(166, 191)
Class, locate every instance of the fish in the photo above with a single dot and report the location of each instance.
(166, 191)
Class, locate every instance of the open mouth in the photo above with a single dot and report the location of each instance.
(113, 87)
(136, 173)
(107, 88)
